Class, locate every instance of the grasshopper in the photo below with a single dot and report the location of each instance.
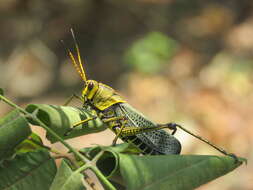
(125, 121)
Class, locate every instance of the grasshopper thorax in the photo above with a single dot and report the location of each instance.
(99, 95)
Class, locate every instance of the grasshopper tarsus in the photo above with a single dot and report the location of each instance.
(67, 133)
(232, 155)
(172, 126)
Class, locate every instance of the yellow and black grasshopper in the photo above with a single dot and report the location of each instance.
(125, 121)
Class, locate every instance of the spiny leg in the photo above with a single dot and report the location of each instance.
(107, 120)
(71, 98)
(119, 132)
(79, 123)
(84, 121)
(173, 126)
(132, 130)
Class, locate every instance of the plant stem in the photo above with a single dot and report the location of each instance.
(88, 163)
(78, 154)
(93, 167)
(12, 104)
(102, 178)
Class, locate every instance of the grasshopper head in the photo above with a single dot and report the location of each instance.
(90, 89)
(100, 95)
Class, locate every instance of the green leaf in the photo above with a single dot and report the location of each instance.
(67, 179)
(163, 171)
(126, 148)
(174, 171)
(148, 54)
(62, 118)
(14, 129)
(32, 143)
(119, 148)
(28, 171)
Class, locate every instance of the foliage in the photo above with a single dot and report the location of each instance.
(67, 179)
(31, 170)
(148, 54)
(205, 86)
(14, 129)
(60, 118)
(27, 164)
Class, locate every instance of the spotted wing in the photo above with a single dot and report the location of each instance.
(159, 141)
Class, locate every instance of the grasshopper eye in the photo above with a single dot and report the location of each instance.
(90, 86)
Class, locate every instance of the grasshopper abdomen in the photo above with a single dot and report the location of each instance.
(152, 142)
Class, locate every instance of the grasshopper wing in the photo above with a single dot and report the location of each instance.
(153, 142)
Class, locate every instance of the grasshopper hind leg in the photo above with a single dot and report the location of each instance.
(118, 134)
(173, 127)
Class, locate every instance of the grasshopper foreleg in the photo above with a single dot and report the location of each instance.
(79, 123)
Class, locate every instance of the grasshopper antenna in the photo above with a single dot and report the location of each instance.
(78, 55)
(74, 62)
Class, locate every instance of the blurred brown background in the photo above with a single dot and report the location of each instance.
(175, 60)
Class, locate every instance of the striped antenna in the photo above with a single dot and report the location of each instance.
(73, 60)
(81, 69)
